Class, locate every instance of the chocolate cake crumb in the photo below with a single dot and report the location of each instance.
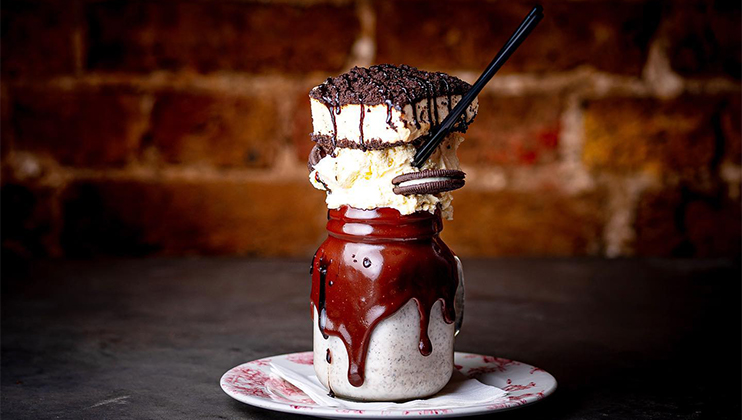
(396, 86)
(328, 143)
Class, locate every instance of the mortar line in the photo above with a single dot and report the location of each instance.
(589, 83)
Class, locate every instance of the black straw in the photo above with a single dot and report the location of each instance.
(520, 34)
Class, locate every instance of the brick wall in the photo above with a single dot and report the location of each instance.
(181, 127)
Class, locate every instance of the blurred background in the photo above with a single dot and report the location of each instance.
(134, 128)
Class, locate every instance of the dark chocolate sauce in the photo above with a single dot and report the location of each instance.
(414, 106)
(389, 114)
(406, 261)
(322, 296)
(428, 97)
(426, 88)
(447, 91)
(360, 126)
(331, 110)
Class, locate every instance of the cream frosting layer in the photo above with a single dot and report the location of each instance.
(383, 123)
(363, 179)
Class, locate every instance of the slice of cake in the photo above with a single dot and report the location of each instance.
(368, 124)
(384, 106)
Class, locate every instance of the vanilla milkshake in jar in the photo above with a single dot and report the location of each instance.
(387, 293)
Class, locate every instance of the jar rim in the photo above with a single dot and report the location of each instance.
(382, 224)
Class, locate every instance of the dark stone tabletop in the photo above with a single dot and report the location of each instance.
(149, 339)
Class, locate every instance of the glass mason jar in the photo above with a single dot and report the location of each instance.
(387, 300)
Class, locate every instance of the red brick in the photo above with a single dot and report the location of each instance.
(210, 36)
(650, 134)
(611, 36)
(37, 38)
(222, 130)
(80, 128)
(193, 217)
(525, 223)
(513, 130)
(704, 38)
(684, 223)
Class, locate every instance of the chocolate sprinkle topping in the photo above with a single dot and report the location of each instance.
(396, 86)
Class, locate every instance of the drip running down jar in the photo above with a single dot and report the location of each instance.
(387, 301)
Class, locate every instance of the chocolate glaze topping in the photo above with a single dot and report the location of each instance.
(381, 261)
(400, 85)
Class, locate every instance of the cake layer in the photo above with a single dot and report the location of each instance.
(385, 106)
(380, 126)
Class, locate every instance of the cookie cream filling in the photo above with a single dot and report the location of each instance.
(422, 181)
(383, 123)
(363, 179)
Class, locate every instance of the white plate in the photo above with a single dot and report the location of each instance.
(251, 383)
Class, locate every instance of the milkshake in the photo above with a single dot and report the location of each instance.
(387, 293)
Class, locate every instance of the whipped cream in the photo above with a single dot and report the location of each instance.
(363, 179)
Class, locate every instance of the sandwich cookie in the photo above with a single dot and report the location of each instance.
(317, 154)
(430, 181)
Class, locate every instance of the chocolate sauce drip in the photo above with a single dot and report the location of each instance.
(360, 126)
(406, 261)
(447, 91)
(322, 296)
(429, 97)
(435, 109)
(328, 356)
(422, 83)
(414, 107)
(425, 346)
(389, 115)
(331, 110)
